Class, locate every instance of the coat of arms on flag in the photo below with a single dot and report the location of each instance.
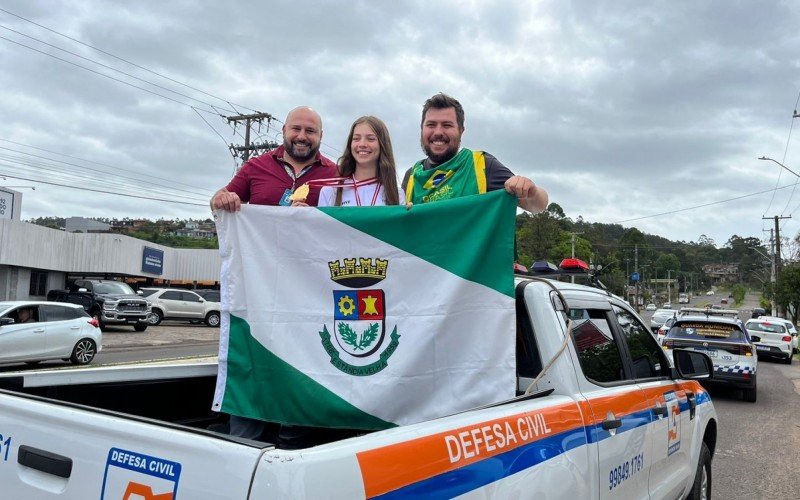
(359, 344)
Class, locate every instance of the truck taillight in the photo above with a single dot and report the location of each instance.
(787, 338)
(94, 323)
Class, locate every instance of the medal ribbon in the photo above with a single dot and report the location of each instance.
(340, 182)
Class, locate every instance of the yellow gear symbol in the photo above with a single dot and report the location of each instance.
(346, 305)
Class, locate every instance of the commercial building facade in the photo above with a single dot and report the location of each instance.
(35, 259)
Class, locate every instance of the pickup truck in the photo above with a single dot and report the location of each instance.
(601, 412)
(109, 302)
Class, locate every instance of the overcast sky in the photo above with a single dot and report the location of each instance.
(620, 109)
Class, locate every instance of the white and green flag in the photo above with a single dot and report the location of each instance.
(368, 317)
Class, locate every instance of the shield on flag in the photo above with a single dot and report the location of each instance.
(358, 321)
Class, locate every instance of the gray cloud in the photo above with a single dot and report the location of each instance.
(620, 109)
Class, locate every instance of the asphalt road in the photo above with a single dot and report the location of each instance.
(758, 444)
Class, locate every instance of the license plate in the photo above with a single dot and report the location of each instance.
(712, 353)
(762, 348)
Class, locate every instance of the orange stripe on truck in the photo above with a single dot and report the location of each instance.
(394, 466)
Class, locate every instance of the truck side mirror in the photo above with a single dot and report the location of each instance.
(692, 364)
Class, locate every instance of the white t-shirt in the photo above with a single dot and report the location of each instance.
(327, 196)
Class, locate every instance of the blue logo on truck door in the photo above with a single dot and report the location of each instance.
(135, 476)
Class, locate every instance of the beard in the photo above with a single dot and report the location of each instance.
(292, 149)
(452, 149)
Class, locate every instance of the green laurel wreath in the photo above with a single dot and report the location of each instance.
(350, 338)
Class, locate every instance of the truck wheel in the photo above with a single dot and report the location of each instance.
(99, 318)
(155, 317)
(140, 326)
(83, 352)
(212, 318)
(701, 489)
(749, 395)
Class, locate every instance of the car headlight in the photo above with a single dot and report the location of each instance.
(109, 305)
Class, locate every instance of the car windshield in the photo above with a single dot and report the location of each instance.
(113, 288)
(766, 327)
(663, 314)
(706, 331)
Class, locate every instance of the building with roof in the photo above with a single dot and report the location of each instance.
(36, 259)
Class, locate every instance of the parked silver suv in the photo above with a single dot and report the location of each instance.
(178, 304)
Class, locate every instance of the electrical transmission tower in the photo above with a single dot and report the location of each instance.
(243, 152)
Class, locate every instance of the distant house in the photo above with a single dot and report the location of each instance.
(199, 230)
(721, 273)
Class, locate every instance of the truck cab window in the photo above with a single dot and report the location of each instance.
(647, 357)
(598, 352)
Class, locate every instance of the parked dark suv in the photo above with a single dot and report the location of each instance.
(109, 302)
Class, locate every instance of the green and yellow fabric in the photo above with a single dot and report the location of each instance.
(462, 175)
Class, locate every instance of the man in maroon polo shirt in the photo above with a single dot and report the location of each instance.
(269, 179)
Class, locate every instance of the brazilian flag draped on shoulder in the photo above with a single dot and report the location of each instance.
(462, 175)
(367, 317)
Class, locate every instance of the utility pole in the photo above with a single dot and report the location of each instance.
(636, 270)
(249, 120)
(669, 286)
(572, 278)
(773, 279)
(776, 256)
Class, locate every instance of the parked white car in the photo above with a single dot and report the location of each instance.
(771, 338)
(32, 331)
(663, 329)
(178, 304)
(789, 325)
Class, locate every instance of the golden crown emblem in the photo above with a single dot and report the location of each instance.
(358, 272)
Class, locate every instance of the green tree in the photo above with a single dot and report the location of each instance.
(536, 236)
(787, 290)
(738, 293)
(563, 250)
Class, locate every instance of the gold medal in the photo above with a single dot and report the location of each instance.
(300, 194)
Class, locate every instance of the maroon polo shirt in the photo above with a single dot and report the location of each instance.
(263, 180)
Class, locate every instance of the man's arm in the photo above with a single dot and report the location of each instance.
(226, 200)
(530, 197)
(230, 197)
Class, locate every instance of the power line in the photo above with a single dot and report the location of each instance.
(123, 60)
(100, 190)
(115, 174)
(53, 172)
(700, 206)
(114, 167)
(224, 141)
(108, 67)
(785, 151)
(107, 76)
